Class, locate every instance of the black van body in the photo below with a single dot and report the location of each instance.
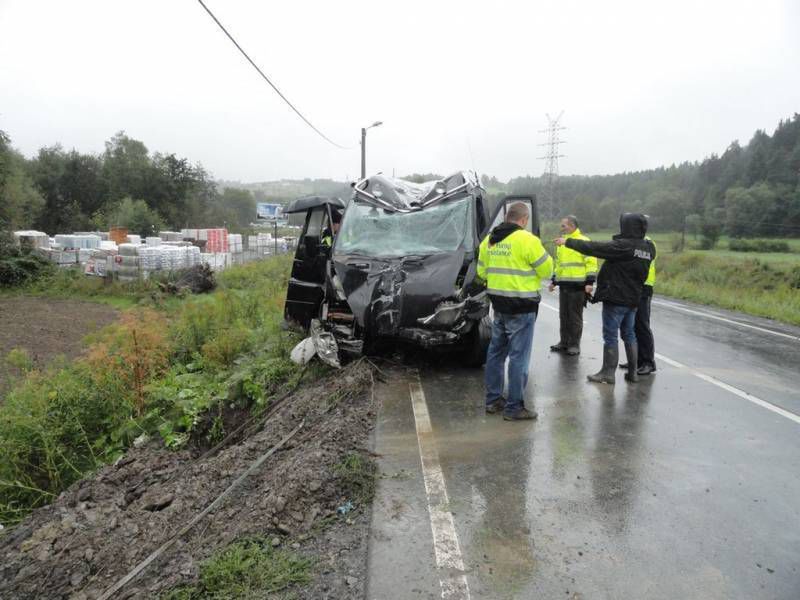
(402, 267)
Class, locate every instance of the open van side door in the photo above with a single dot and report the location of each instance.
(307, 282)
(499, 214)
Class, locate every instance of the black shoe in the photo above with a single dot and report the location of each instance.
(623, 365)
(558, 347)
(523, 414)
(573, 351)
(645, 370)
(496, 406)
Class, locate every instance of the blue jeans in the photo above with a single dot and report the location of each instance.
(618, 319)
(512, 337)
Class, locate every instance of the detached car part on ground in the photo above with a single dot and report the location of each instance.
(402, 266)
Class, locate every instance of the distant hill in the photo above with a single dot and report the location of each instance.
(286, 190)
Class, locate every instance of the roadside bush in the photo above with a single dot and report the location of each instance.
(18, 268)
(54, 428)
(740, 245)
(129, 354)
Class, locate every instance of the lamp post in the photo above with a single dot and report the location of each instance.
(364, 147)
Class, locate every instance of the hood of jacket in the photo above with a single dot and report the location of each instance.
(632, 225)
(501, 232)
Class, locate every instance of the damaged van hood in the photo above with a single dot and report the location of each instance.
(389, 296)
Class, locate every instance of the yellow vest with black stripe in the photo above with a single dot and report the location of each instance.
(572, 266)
(651, 274)
(513, 270)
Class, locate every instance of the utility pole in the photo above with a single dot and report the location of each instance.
(363, 152)
(549, 206)
(364, 147)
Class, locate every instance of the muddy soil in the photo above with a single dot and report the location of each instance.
(102, 527)
(46, 328)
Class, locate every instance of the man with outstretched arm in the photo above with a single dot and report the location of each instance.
(619, 287)
(512, 262)
(644, 333)
(575, 274)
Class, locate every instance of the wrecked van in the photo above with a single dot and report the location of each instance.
(401, 268)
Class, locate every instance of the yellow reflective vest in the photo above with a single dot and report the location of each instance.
(572, 266)
(651, 274)
(513, 268)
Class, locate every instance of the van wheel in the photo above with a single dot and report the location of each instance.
(478, 343)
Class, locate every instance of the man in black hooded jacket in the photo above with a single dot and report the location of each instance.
(619, 287)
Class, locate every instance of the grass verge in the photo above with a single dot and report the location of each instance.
(246, 569)
(749, 285)
(173, 370)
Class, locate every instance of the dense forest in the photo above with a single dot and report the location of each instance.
(746, 191)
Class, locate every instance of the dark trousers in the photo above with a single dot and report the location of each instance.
(644, 335)
(570, 313)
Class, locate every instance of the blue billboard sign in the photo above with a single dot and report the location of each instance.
(271, 212)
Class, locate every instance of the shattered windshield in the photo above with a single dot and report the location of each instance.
(375, 232)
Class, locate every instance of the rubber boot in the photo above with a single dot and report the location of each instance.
(632, 352)
(610, 360)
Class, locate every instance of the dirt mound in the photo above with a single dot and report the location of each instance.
(102, 527)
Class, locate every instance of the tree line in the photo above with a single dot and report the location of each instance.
(750, 191)
(747, 191)
(60, 191)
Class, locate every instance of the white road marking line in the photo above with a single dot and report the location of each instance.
(453, 581)
(721, 384)
(555, 309)
(733, 390)
(723, 319)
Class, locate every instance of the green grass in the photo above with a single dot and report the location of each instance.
(169, 369)
(764, 284)
(245, 570)
(356, 474)
(72, 284)
(751, 285)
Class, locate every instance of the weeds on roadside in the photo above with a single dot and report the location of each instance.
(749, 285)
(172, 373)
(356, 475)
(246, 569)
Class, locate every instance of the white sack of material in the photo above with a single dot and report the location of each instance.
(303, 352)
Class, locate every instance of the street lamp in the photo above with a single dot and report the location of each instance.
(363, 147)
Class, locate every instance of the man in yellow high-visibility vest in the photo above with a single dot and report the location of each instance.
(574, 275)
(512, 262)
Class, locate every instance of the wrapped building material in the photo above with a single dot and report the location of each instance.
(30, 240)
(235, 243)
(152, 241)
(134, 239)
(171, 236)
(149, 257)
(76, 242)
(216, 240)
(118, 235)
(61, 257)
(127, 249)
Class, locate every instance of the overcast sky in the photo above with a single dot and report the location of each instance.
(641, 84)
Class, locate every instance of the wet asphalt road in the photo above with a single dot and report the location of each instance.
(676, 487)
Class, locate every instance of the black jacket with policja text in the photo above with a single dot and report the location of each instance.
(627, 260)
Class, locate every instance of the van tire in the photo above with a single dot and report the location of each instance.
(478, 343)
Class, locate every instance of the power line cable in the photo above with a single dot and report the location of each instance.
(272, 85)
